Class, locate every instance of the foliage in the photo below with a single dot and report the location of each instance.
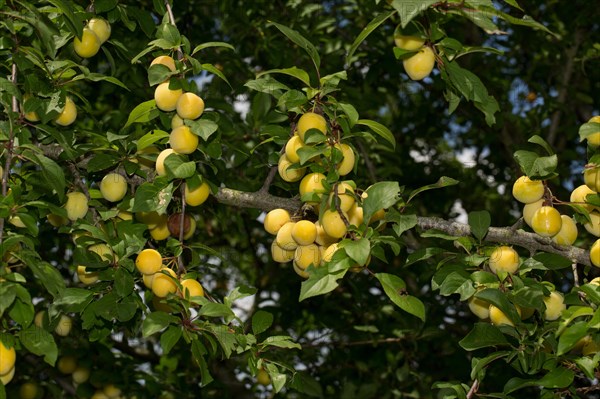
(388, 315)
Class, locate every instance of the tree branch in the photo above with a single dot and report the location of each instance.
(507, 235)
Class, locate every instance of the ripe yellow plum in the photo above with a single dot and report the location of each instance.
(190, 106)
(567, 233)
(161, 230)
(356, 215)
(555, 305)
(89, 44)
(305, 255)
(530, 209)
(593, 227)
(166, 99)
(407, 42)
(8, 357)
(479, 307)
(594, 138)
(284, 237)
(164, 283)
(304, 232)
(29, 390)
(113, 187)
(311, 120)
(527, 191)
(498, 318)
(6, 378)
(281, 255)
(322, 238)
(86, 278)
(176, 121)
(579, 194)
(595, 254)
(197, 195)
(63, 328)
(312, 183)
(100, 27)
(546, 221)
(81, 375)
(183, 141)
(262, 377)
(333, 224)
(420, 65)
(286, 173)
(591, 177)
(147, 279)
(191, 288)
(165, 60)
(330, 251)
(348, 159)
(504, 259)
(68, 114)
(291, 148)
(149, 261)
(345, 195)
(160, 161)
(76, 205)
(275, 219)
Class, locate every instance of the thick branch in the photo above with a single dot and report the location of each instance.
(507, 235)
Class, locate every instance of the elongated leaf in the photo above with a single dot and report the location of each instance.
(297, 73)
(319, 283)
(212, 44)
(155, 322)
(39, 342)
(297, 38)
(261, 321)
(526, 20)
(381, 195)
(144, 112)
(379, 129)
(395, 289)
(559, 377)
(371, 26)
(443, 181)
(535, 139)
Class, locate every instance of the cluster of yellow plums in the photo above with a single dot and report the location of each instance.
(66, 117)
(302, 241)
(163, 280)
(188, 106)
(419, 65)
(503, 260)
(95, 33)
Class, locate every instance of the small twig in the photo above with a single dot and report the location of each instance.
(575, 273)
(473, 389)
(373, 342)
(268, 180)
(9, 147)
(180, 266)
(370, 167)
(172, 21)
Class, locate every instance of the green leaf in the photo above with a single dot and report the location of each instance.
(212, 44)
(277, 379)
(442, 182)
(367, 30)
(535, 139)
(261, 321)
(300, 41)
(124, 283)
(401, 222)
(142, 113)
(150, 138)
(587, 129)
(381, 195)
(155, 322)
(281, 341)
(379, 129)
(478, 364)
(319, 282)
(169, 32)
(158, 73)
(422, 254)
(203, 128)
(214, 309)
(101, 162)
(48, 275)
(395, 289)
(359, 250)
(178, 168)
(525, 20)
(72, 22)
(52, 174)
(408, 9)
(557, 378)
(295, 72)
(456, 283)
(499, 299)
(214, 70)
(481, 336)
(569, 338)
(535, 166)
(39, 342)
(480, 222)
(169, 338)
(152, 197)
(304, 383)
(198, 351)
(74, 299)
